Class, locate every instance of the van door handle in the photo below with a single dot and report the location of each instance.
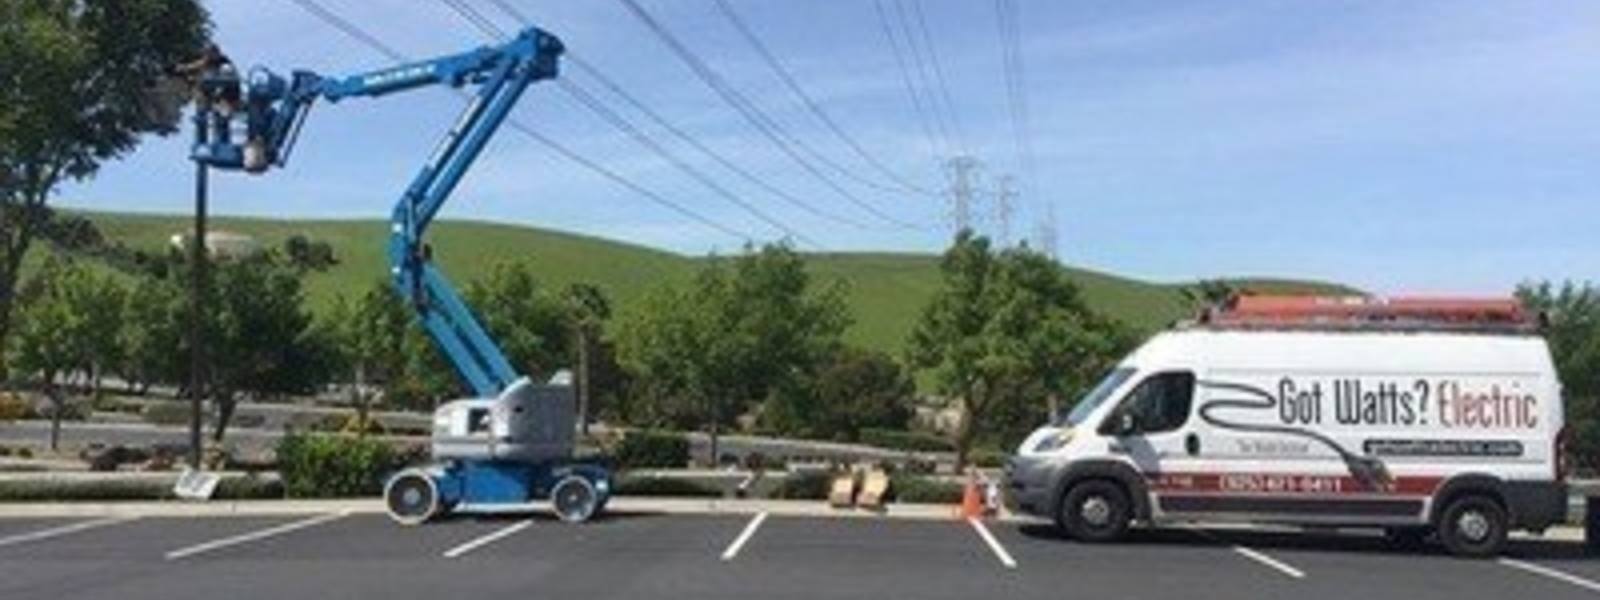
(1191, 444)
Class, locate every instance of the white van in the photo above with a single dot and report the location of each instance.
(1413, 425)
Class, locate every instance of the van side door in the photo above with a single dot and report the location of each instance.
(1152, 426)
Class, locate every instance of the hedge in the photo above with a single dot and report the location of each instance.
(905, 440)
(988, 459)
(665, 486)
(652, 450)
(113, 489)
(327, 466)
(804, 485)
(925, 490)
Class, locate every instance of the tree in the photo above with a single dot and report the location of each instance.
(1208, 293)
(68, 322)
(588, 309)
(528, 322)
(702, 353)
(852, 390)
(260, 336)
(369, 336)
(1573, 311)
(1005, 333)
(152, 328)
(84, 80)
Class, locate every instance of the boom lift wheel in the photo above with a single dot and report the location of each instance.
(574, 499)
(411, 497)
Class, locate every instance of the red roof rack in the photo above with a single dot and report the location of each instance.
(1367, 312)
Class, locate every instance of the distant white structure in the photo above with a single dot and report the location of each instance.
(222, 244)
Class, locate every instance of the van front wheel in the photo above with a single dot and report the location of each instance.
(1094, 511)
(1473, 526)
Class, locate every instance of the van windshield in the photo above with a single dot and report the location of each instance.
(1094, 398)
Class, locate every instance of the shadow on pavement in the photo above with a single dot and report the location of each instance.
(1320, 541)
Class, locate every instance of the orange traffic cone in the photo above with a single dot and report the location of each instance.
(971, 500)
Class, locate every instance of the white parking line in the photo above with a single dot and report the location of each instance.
(251, 536)
(1281, 566)
(1252, 554)
(42, 534)
(1588, 584)
(488, 538)
(994, 544)
(744, 536)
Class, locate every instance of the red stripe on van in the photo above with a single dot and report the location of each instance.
(1296, 484)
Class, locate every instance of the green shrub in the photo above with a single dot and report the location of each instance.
(5, 451)
(166, 413)
(249, 487)
(323, 466)
(804, 485)
(988, 459)
(24, 452)
(84, 490)
(652, 450)
(905, 440)
(925, 490)
(665, 486)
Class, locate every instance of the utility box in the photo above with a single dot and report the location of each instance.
(528, 422)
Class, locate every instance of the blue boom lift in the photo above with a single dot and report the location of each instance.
(513, 443)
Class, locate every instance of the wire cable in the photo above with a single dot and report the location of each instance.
(768, 128)
(809, 102)
(356, 33)
(934, 143)
(620, 123)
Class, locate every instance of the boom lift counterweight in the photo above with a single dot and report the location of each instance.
(513, 443)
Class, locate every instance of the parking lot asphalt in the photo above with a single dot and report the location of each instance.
(737, 556)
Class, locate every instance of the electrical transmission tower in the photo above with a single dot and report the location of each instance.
(962, 172)
(1005, 197)
(1046, 231)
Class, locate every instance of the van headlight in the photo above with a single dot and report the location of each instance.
(1053, 441)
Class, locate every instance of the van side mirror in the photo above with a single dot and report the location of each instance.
(1120, 424)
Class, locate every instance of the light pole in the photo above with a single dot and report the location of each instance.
(197, 290)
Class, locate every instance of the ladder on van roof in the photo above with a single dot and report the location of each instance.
(1363, 313)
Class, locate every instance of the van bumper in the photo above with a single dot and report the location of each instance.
(1536, 505)
(1030, 485)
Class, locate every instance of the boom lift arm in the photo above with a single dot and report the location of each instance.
(274, 109)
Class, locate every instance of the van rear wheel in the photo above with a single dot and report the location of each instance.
(1094, 511)
(1473, 526)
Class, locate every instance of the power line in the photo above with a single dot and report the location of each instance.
(595, 106)
(763, 124)
(358, 34)
(477, 19)
(694, 142)
(617, 89)
(622, 124)
(925, 79)
(938, 71)
(905, 79)
(811, 103)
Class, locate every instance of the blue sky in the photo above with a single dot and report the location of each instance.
(1444, 146)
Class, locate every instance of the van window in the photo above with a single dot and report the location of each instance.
(1160, 403)
(1094, 398)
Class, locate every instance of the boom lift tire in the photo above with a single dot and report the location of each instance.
(1095, 511)
(411, 497)
(574, 499)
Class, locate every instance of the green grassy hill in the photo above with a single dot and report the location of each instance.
(887, 290)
